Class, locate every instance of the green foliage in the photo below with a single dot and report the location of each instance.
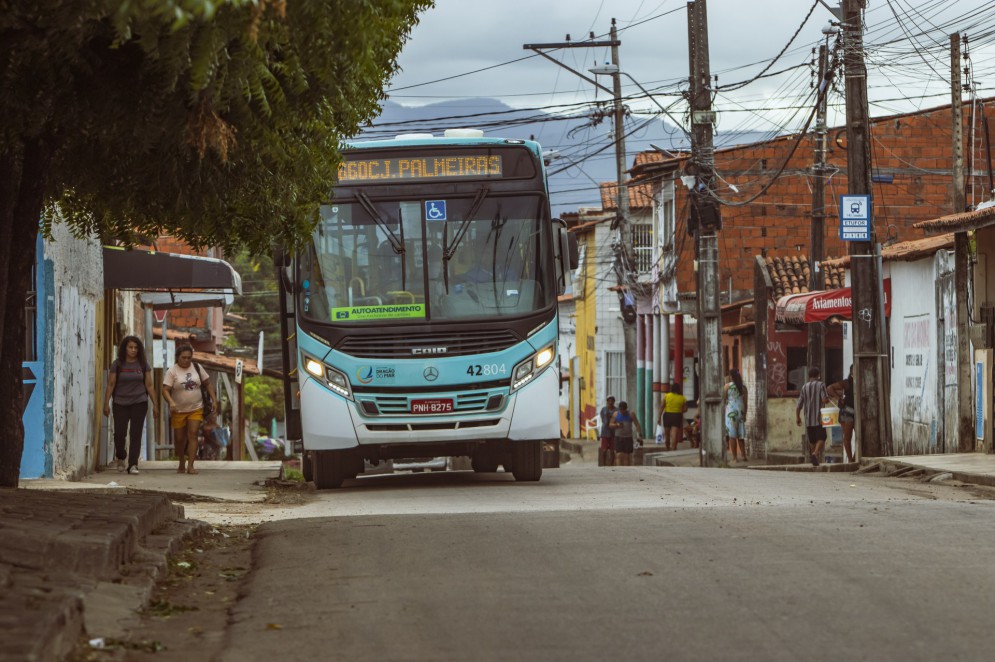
(217, 122)
(259, 304)
(293, 475)
(263, 400)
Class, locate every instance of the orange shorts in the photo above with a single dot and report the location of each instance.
(178, 419)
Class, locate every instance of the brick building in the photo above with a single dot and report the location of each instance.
(912, 173)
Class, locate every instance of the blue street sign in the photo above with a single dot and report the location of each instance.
(855, 217)
(435, 210)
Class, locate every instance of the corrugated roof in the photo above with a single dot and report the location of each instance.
(227, 364)
(968, 220)
(640, 196)
(790, 275)
(904, 251)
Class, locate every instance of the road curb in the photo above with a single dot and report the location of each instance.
(72, 562)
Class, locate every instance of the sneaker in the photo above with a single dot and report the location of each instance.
(119, 464)
(133, 469)
(815, 460)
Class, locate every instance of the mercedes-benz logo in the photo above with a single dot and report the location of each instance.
(430, 374)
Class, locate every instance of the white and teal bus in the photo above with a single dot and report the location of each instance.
(422, 316)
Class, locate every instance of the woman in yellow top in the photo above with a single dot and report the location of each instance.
(672, 416)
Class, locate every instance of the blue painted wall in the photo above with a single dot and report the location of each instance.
(36, 460)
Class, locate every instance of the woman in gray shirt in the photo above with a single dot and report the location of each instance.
(130, 384)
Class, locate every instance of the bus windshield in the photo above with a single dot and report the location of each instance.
(432, 260)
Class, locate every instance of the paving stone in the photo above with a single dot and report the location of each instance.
(60, 549)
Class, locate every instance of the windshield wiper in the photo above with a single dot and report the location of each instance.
(365, 203)
(395, 243)
(450, 250)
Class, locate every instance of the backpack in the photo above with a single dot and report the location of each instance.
(205, 394)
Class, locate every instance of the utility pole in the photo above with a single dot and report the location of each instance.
(816, 336)
(871, 371)
(705, 222)
(623, 247)
(965, 405)
(623, 253)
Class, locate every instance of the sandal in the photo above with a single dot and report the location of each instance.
(192, 471)
(181, 470)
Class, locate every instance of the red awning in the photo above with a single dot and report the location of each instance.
(822, 305)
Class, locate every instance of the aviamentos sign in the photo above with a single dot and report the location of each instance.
(365, 313)
(470, 166)
(820, 306)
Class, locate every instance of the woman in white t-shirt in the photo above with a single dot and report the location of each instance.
(181, 387)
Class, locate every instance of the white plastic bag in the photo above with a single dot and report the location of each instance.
(659, 434)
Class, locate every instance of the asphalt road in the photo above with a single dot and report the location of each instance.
(624, 564)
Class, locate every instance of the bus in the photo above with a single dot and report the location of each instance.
(421, 318)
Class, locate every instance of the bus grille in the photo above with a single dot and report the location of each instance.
(387, 346)
(464, 403)
(415, 427)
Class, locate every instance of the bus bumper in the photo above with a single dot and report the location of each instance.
(331, 422)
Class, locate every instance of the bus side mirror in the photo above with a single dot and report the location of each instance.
(281, 257)
(561, 249)
(573, 252)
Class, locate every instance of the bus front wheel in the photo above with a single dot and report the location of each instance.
(483, 462)
(330, 469)
(307, 466)
(526, 460)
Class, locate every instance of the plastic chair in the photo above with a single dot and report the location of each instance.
(592, 425)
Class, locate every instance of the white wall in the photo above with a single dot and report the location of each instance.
(609, 335)
(78, 285)
(915, 411)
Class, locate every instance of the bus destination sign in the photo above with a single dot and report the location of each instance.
(471, 166)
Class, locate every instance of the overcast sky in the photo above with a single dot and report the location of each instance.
(907, 52)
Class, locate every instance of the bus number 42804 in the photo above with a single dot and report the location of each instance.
(486, 370)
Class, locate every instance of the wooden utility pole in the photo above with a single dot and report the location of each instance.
(965, 404)
(871, 371)
(623, 250)
(816, 336)
(705, 223)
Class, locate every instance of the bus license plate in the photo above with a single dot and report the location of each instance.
(431, 406)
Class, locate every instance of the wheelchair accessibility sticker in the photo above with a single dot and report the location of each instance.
(435, 210)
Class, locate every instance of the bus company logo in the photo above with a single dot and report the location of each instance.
(365, 374)
(429, 350)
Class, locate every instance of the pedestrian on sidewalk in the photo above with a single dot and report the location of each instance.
(625, 423)
(812, 397)
(606, 451)
(842, 394)
(675, 405)
(183, 387)
(735, 397)
(130, 385)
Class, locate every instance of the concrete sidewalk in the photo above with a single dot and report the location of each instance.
(83, 556)
(975, 468)
(217, 481)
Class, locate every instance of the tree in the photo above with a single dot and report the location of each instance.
(260, 305)
(217, 121)
(263, 400)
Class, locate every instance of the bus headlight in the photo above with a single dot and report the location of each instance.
(530, 368)
(332, 378)
(314, 367)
